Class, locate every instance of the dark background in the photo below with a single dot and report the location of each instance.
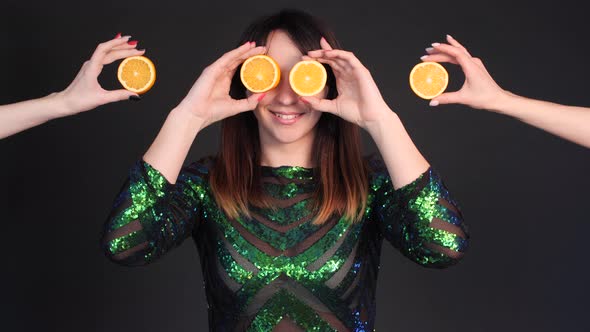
(523, 192)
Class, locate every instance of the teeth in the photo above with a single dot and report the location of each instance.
(287, 117)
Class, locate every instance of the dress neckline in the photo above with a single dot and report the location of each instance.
(290, 172)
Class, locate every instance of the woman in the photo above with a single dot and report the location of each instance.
(481, 91)
(83, 94)
(288, 218)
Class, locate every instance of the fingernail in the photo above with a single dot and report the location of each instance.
(449, 36)
(303, 100)
(423, 57)
(142, 50)
(435, 44)
(261, 96)
(118, 35)
(132, 42)
(429, 49)
(433, 103)
(126, 37)
(135, 98)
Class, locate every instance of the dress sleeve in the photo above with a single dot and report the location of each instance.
(420, 219)
(150, 215)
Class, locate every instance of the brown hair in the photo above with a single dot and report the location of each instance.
(342, 172)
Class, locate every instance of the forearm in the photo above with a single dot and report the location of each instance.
(170, 148)
(569, 122)
(403, 160)
(19, 116)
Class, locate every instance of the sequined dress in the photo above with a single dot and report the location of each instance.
(277, 271)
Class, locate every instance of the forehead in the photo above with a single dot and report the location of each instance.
(282, 49)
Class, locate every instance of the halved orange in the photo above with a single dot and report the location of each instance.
(428, 79)
(260, 73)
(137, 74)
(308, 77)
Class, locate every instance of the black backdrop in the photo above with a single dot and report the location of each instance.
(523, 192)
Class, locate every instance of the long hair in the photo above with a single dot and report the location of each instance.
(342, 172)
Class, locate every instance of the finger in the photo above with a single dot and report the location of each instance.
(458, 54)
(229, 57)
(125, 46)
(333, 64)
(316, 53)
(121, 54)
(455, 43)
(446, 98)
(246, 104)
(438, 58)
(95, 64)
(431, 50)
(332, 55)
(241, 58)
(103, 48)
(118, 95)
(324, 44)
(322, 105)
(349, 58)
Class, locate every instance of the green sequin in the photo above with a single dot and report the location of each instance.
(274, 311)
(336, 271)
(287, 215)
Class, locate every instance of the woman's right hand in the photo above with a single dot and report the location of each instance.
(209, 98)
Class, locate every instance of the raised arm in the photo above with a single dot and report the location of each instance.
(481, 91)
(83, 94)
(411, 204)
(208, 101)
(159, 206)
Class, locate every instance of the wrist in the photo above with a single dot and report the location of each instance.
(186, 116)
(382, 124)
(58, 105)
(502, 103)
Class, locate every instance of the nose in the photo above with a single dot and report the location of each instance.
(284, 94)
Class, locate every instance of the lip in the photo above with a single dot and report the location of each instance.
(287, 121)
(286, 113)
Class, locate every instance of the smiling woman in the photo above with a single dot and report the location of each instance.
(288, 217)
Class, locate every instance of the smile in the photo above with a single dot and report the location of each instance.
(287, 118)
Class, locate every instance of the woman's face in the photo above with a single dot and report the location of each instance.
(283, 100)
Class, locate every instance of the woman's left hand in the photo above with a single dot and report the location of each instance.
(359, 100)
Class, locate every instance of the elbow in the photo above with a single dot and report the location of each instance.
(440, 257)
(131, 257)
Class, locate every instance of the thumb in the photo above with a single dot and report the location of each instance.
(446, 98)
(246, 104)
(323, 105)
(122, 94)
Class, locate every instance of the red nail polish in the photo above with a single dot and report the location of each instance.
(132, 42)
(118, 35)
(303, 100)
(261, 96)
